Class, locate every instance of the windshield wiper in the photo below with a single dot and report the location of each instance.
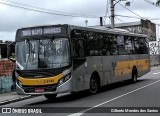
(28, 44)
(31, 51)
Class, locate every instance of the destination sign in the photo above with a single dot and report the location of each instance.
(52, 30)
(41, 31)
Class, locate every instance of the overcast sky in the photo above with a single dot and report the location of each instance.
(12, 18)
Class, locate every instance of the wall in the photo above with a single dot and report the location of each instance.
(6, 68)
(143, 27)
(154, 52)
(5, 84)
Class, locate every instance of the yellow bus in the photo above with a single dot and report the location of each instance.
(58, 59)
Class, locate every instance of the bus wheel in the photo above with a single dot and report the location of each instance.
(50, 96)
(94, 85)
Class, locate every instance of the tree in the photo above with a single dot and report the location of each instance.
(158, 3)
(127, 3)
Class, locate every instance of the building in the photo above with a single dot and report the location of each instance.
(3, 49)
(6, 66)
(141, 27)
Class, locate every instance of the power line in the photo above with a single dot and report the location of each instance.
(120, 20)
(153, 3)
(48, 10)
(31, 9)
(139, 15)
(123, 22)
(128, 16)
(107, 8)
(36, 7)
(42, 10)
(150, 18)
(131, 11)
(149, 2)
(107, 11)
(132, 1)
(27, 5)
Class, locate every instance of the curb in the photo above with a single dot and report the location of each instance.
(16, 100)
(153, 68)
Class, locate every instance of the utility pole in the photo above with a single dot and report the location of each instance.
(112, 13)
(112, 5)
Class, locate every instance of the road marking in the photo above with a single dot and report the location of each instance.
(84, 111)
(156, 73)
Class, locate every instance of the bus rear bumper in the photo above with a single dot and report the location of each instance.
(64, 88)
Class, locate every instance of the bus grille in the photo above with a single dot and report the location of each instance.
(48, 88)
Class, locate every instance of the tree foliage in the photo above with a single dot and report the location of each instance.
(158, 3)
(127, 3)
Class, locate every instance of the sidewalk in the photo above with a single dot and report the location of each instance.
(155, 67)
(11, 97)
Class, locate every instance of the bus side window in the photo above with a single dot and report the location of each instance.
(73, 46)
(92, 45)
(129, 45)
(146, 46)
(104, 45)
(121, 45)
(78, 49)
(112, 45)
(106, 49)
(136, 45)
(143, 46)
(78, 52)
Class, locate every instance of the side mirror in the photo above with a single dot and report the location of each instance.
(11, 52)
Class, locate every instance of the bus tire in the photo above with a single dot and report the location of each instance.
(94, 85)
(134, 75)
(50, 96)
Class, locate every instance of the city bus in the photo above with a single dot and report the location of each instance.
(65, 58)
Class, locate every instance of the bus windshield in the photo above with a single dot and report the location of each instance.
(43, 53)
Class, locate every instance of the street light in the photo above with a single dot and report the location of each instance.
(86, 21)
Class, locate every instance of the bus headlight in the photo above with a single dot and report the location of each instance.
(19, 83)
(64, 79)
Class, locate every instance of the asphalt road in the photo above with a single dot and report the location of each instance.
(144, 93)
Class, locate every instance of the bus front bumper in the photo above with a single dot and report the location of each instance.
(63, 88)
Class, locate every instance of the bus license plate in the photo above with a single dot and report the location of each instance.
(39, 90)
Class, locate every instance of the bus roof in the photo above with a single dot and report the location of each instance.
(102, 29)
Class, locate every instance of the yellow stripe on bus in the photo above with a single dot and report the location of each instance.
(125, 67)
(40, 81)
